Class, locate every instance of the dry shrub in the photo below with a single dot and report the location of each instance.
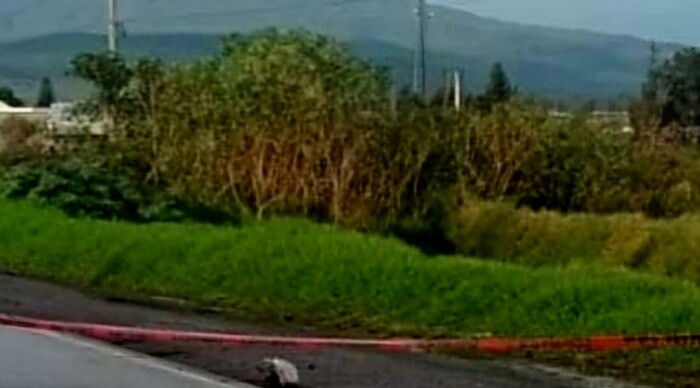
(675, 247)
(20, 138)
(631, 243)
(491, 149)
(500, 231)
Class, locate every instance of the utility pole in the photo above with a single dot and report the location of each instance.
(458, 90)
(419, 70)
(447, 91)
(113, 26)
(393, 103)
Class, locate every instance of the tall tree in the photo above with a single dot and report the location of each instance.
(650, 88)
(46, 94)
(499, 88)
(109, 73)
(8, 96)
(678, 83)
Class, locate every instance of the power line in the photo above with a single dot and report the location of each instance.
(197, 15)
(7, 18)
(97, 27)
(24, 9)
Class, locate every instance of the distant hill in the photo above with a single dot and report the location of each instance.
(547, 62)
(671, 21)
(24, 63)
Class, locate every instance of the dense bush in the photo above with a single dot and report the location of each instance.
(20, 138)
(579, 167)
(278, 123)
(292, 123)
(91, 186)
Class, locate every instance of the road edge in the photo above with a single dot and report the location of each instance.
(144, 360)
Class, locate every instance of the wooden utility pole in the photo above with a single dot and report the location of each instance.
(113, 26)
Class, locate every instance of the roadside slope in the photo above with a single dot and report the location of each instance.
(293, 270)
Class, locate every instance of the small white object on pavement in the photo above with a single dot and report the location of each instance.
(280, 372)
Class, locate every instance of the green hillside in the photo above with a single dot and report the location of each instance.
(547, 62)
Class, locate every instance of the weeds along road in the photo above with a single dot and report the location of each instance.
(327, 368)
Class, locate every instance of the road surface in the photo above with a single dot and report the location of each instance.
(319, 368)
(32, 359)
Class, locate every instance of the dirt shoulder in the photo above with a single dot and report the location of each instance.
(328, 368)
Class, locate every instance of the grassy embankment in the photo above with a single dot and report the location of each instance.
(339, 279)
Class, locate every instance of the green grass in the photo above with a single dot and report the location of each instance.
(668, 247)
(338, 279)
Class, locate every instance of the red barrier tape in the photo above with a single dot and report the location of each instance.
(119, 333)
(111, 333)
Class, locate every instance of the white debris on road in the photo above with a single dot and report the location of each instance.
(280, 373)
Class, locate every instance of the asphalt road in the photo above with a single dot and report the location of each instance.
(319, 368)
(32, 359)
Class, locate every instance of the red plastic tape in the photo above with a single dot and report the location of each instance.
(112, 333)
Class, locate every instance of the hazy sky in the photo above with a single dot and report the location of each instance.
(672, 20)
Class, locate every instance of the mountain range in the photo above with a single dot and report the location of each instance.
(38, 38)
(665, 21)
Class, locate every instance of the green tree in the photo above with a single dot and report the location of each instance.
(46, 94)
(8, 96)
(288, 122)
(646, 112)
(110, 74)
(590, 105)
(499, 88)
(678, 83)
(650, 88)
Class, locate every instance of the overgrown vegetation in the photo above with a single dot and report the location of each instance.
(297, 270)
(293, 124)
(498, 230)
(21, 139)
(87, 178)
(85, 188)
